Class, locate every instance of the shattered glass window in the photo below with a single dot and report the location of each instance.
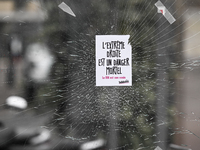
(49, 67)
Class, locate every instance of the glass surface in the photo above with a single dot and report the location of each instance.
(47, 56)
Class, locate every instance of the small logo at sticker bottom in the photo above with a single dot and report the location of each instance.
(123, 82)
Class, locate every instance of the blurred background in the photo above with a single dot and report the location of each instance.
(47, 56)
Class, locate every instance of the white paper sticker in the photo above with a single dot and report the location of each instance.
(66, 9)
(113, 60)
(158, 148)
(162, 9)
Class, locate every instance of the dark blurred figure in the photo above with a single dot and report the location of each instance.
(15, 50)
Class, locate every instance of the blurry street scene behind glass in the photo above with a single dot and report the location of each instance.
(48, 93)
